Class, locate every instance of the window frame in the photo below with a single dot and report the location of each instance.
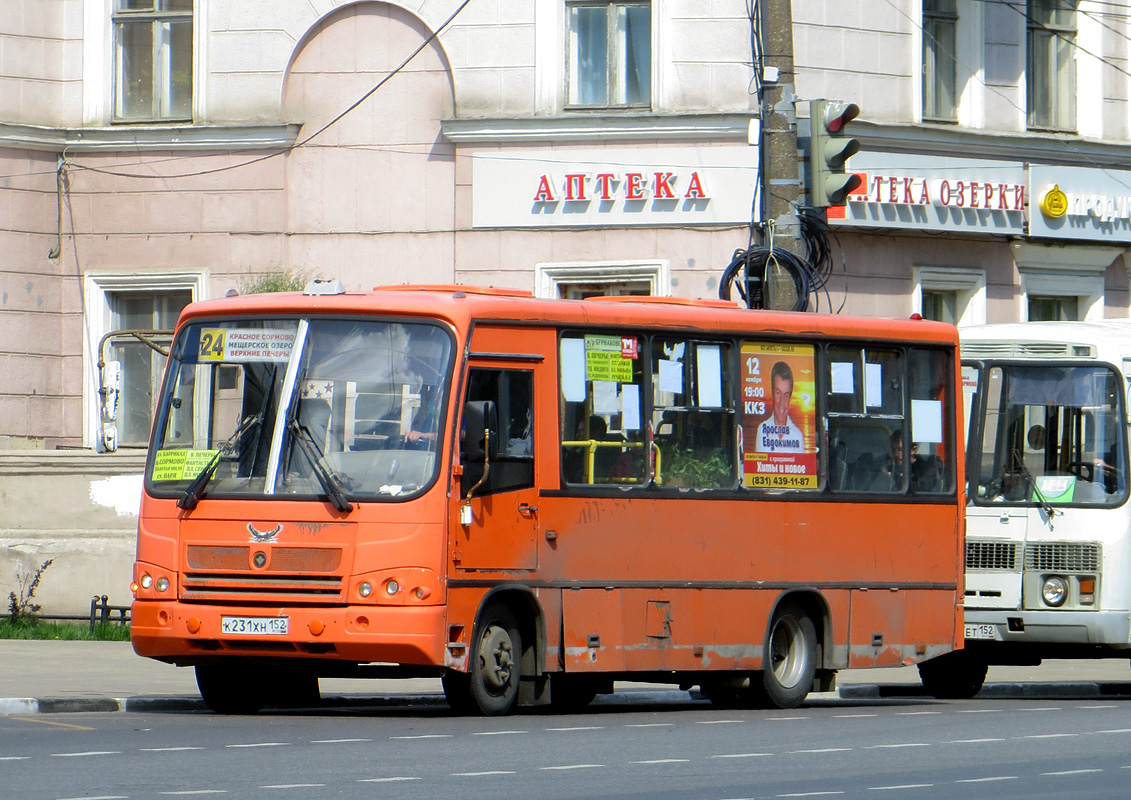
(616, 57)
(1050, 105)
(935, 18)
(163, 94)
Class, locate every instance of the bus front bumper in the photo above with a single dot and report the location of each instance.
(1102, 628)
(187, 634)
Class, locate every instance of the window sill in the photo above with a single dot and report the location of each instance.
(598, 124)
(149, 136)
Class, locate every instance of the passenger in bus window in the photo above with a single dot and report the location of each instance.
(778, 433)
(425, 422)
(923, 471)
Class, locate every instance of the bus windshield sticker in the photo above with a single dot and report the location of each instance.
(709, 366)
(1054, 489)
(842, 378)
(630, 403)
(926, 421)
(671, 376)
(180, 465)
(873, 385)
(605, 397)
(573, 370)
(246, 344)
(779, 428)
(604, 359)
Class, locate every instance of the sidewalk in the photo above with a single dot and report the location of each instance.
(108, 676)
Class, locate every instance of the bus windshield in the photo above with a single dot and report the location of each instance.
(333, 408)
(1052, 434)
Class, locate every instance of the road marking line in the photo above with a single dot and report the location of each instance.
(719, 721)
(14, 758)
(743, 755)
(1047, 708)
(979, 711)
(853, 716)
(385, 780)
(1098, 705)
(198, 791)
(904, 786)
(88, 753)
(574, 766)
(56, 724)
(663, 761)
(891, 746)
(972, 741)
(426, 736)
(1073, 772)
(917, 713)
(167, 749)
(808, 794)
(100, 797)
(579, 728)
(293, 786)
(497, 733)
(259, 744)
(784, 719)
(823, 750)
(651, 725)
(988, 780)
(479, 774)
(338, 741)
(1116, 730)
(1047, 736)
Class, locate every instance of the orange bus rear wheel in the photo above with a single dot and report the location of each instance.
(791, 656)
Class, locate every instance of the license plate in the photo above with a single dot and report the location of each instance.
(254, 626)
(985, 632)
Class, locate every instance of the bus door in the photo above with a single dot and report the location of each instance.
(497, 525)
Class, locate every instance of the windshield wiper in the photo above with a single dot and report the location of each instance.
(195, 490)
(331, 483)
(1042, 501)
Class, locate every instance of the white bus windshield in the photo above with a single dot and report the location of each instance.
(1052, 435)
(341, 409)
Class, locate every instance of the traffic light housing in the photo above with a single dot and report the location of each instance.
(829, 148)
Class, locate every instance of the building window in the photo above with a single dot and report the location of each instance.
(1051, 69)
(578, 281)
(950, 294)
(153, 58)
(609, 54)
(1053, 309)
(940, 18)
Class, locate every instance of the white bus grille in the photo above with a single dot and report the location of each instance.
(1063, 557)
(991, 555)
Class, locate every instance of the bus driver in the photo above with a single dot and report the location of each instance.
(778, 433)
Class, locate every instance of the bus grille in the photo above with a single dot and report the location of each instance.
(1026, 350)
(991, 555)
(1063, 557)
(291, 574)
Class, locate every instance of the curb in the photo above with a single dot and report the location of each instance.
(999, 691)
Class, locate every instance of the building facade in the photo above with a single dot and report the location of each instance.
(153, 152)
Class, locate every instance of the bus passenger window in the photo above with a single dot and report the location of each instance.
(602, 436)
(932, 439)
(512, 392)
(865, 421)
(693, 413)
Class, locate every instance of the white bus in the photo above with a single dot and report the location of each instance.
(1048, 532)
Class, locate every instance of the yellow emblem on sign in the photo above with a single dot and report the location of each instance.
(1054, 203)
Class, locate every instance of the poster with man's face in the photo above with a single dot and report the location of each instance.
(779, 409)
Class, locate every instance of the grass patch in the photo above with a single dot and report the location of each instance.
(25, 628)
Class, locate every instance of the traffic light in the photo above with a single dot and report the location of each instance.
(829, 148)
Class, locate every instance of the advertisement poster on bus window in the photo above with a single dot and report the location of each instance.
(779, 410)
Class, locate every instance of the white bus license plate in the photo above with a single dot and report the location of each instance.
(254, 626)
(984, 632)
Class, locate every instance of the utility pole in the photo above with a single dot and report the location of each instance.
(780, 174)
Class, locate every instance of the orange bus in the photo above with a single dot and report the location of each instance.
(533, 498)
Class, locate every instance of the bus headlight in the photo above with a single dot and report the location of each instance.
(146, 581)
(162, 584)
(364, 589)
(1054, 591)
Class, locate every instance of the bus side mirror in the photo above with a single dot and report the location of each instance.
(481, 431)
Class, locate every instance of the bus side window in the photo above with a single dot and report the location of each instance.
(932, 437)
(512, 392)
(865, 420)
(602, 435)
(693, 414)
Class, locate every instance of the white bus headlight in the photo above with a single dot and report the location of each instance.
(1054, 591)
